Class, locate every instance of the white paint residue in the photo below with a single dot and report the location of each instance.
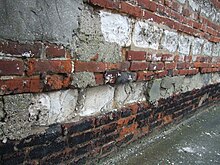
(116, 28)
(146, 35)
(26, 54)
(187, 149)
(207, 133)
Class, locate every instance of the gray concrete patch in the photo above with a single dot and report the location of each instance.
(48, 20)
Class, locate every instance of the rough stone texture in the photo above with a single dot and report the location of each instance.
(184, 45)
(178, 81)
(53, 107)
(194, 5)
(167, 82)
(181, 1)
(146, 35)
(2, 113)
(197, 44)
(154, 90)
(83, 79)
(89, 42)
(39, 20)
(102, 100)
(216, 49)
(207, 48)
(116, 28)
(17, 123)
(196, 82)
(215, 78)
(129, 93)
(170, 41)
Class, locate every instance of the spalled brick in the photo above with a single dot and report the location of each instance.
(167, 57)
(54, 82)
(53, 51)
(11, 67)
(145, 75)
(156, 66)
(48, 66)
(136, 55)
(135, 66)
(21, 50)
(99, 78)
(20, 85)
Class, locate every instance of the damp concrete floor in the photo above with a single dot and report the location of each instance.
(193, 142)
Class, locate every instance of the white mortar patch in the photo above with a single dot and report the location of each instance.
(197, 46)
(116, 28)
(207, 48)
(184, 45)
(170, 41)
(97, 99)
(146, 35)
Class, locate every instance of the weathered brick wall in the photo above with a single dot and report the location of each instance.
(80, 79)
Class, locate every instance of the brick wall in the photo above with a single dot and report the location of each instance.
(76, 90)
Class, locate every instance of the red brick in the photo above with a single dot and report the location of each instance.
(151, 16)
(136, 65)
(55, 82)
(179, 58)
(188, 58)
(20, 85)
(18, 49)
(176, 6)
(48, 66)
(186, 12)
(193, 71)
(200, 65)
(182, 65)
(147, 4)
(214, 39)
(170, 65)
(203, 59)
(168, 3)
(167, 57)
(206, 70)
(122, 66)
(160, 74)
(131, 10)
(145, 75)
(53, 50)
(90, 66)
(99, 78)
(196, 25)
(183, 72)
(154, 57)
(11, 67)
(136, 55)
(156, 66)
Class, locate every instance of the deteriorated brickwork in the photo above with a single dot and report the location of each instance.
(112, 71)
(92, 138)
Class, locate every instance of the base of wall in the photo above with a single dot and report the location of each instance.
(91, 139)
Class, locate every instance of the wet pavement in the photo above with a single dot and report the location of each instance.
(194, 142)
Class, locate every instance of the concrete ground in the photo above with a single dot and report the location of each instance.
(193, 142)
